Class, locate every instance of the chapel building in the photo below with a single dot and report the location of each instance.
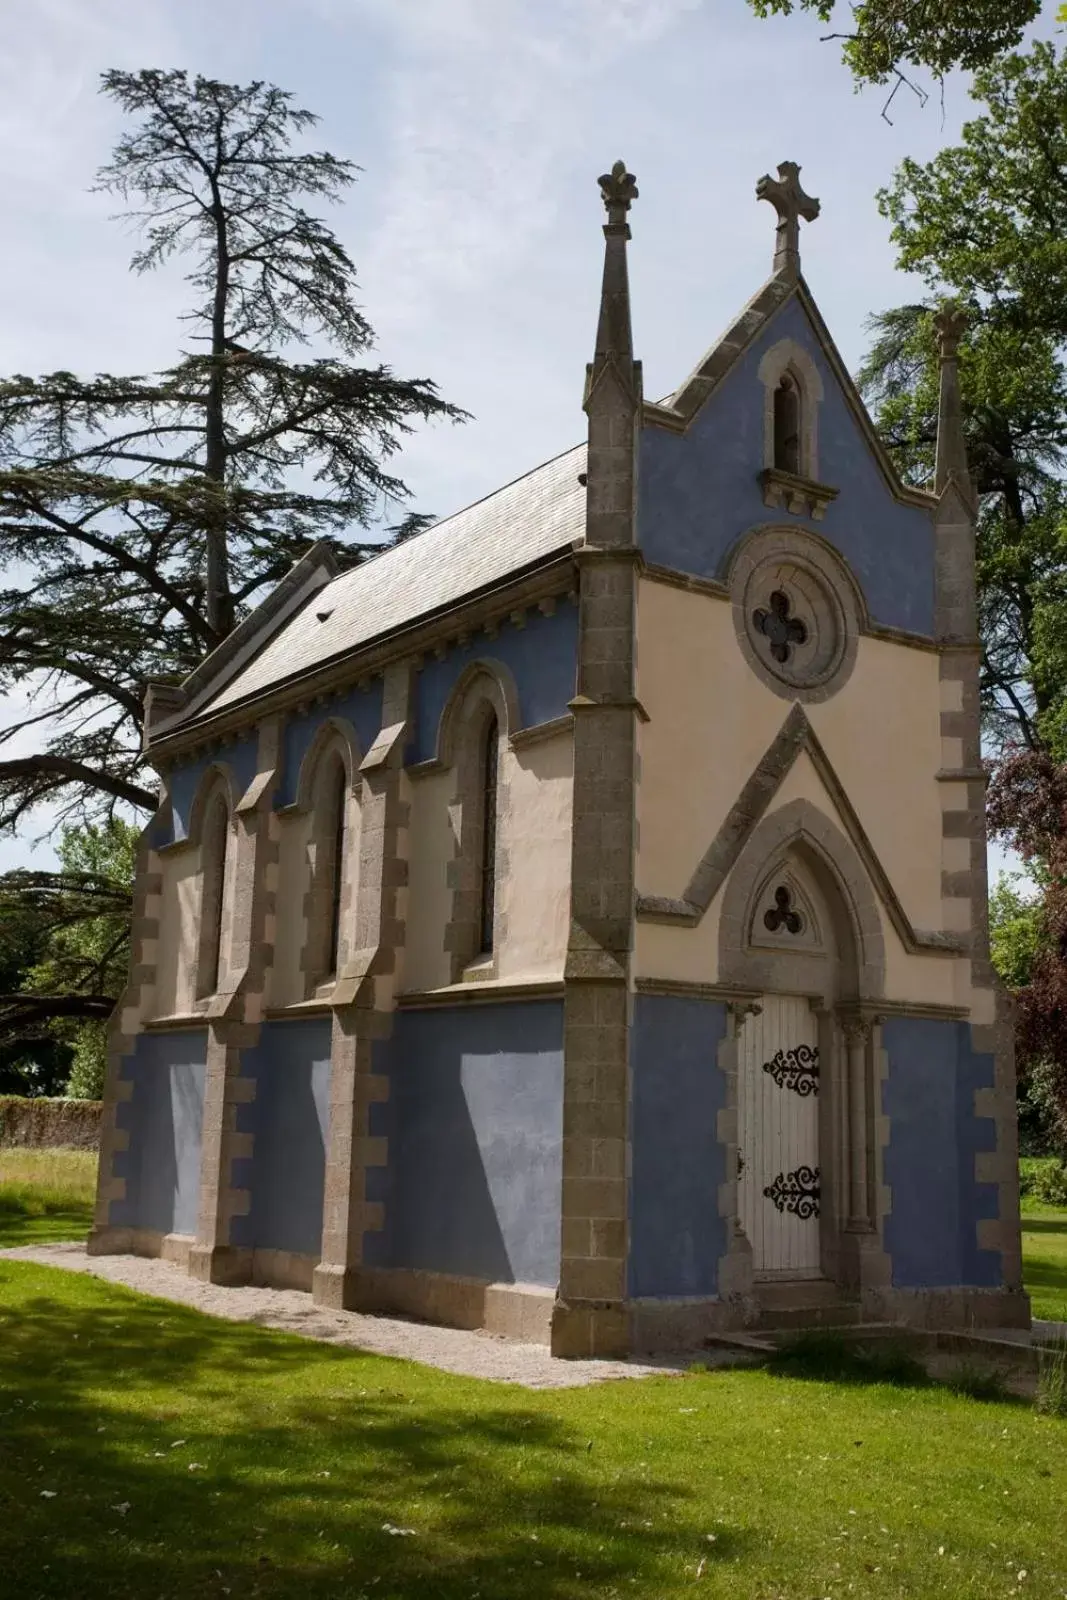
(573, 921)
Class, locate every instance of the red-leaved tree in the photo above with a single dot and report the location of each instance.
(1027, 809)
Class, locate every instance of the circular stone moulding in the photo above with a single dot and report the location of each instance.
(795, 613)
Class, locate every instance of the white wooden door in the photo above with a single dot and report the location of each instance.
(778, 1137)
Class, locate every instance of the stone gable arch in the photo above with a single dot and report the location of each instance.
(800, 827)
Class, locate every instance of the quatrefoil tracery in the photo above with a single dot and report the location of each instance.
(780, 629)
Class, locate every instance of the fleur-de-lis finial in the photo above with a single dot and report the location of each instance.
(951, 325)
(618, 188)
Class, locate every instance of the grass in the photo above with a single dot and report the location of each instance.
(152, 1451)
(1045, 1259)
(45, 1194)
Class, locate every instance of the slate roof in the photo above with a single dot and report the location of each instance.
(528, 520)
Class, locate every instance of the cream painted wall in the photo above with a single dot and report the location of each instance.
(425, 962)
(711, 720)
(883, 735)
(537, 837)
(178, 919)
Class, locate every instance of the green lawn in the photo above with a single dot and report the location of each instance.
(45, 1194)
(1045, 1259)
(146, 1450)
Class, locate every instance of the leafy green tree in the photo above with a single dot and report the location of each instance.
(1014, 394)
(151, 511)
(89, 949)
(1017, 945)
(989, 216)
(1027, 808)
(886, 38)
(31, 1063)
(986, 222)
(1015, 927)
(80, 918)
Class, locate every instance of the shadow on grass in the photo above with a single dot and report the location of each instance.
(185, 1456)
(37, 1221)
(55, 1228)
(1055, 1225)
(830, 1358)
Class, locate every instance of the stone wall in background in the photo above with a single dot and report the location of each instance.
(48, 1123)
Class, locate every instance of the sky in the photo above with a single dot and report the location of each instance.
(480, 127)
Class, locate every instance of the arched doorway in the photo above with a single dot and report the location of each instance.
(800, 937)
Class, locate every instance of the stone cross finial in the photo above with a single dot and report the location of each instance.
(951, 325)
(617, 188)
(791, 203)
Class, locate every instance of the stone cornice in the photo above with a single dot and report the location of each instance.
(472, 994)
(718, 589)
(494, 606)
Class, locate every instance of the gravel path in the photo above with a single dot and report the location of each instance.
(471, 1354)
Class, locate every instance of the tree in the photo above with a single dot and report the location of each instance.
(81, 919)
(985, 222)
(1027, 807)
(988, 217)
(1017, 941)
(887, 37)
(1014, 393)
(150, 512)
(31, 1063)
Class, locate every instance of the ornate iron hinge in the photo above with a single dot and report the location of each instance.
(797, 1192)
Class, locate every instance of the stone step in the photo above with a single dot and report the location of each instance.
(789, 1292)
(823, 1314)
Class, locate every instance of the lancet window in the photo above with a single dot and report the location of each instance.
(787, 425)
(214, 854)
(487, 865)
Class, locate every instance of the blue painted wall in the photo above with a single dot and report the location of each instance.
(931, 1232)
(699, 492)
(289, 1122)
(164, 1117)
(361, 707)
(185, 781)
(542, 657)
(676, 1232)
(474, 1120)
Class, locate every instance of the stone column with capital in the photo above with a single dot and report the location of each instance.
(864, 1262)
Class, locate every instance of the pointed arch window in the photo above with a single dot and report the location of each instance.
(787, 425)
(214, 854)
(489, 774)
